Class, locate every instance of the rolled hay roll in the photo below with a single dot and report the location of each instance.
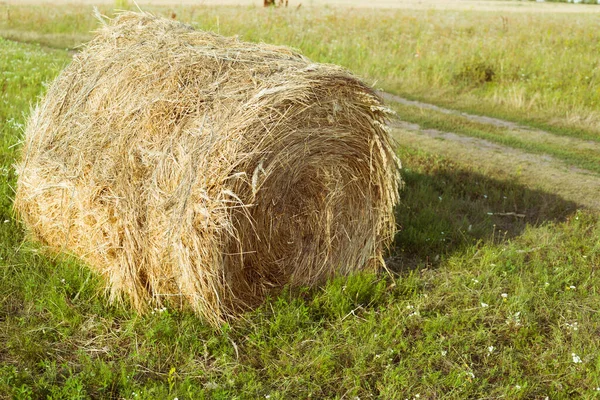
(191, 169)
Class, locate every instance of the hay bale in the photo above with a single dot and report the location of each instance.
(190, 168)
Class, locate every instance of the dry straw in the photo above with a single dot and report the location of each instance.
(193, 169)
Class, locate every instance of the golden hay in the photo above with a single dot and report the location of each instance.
(190, 168)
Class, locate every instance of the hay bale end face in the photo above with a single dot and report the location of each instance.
(193, 169)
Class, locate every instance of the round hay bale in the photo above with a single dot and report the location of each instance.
(190, 168)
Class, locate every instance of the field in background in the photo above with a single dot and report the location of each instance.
(464, 59)
(492, 290)
(480, 5)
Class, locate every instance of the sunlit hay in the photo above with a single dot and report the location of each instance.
(193, 169)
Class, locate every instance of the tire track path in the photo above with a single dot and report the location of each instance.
(540, 171)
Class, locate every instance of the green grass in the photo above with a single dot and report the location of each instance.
(437, 326)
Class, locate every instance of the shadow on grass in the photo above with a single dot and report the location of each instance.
(446, 208)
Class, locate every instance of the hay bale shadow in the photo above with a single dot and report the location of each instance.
(447, 210)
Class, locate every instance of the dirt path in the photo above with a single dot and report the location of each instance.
(537, 171)
(514, 129)
(477, 118)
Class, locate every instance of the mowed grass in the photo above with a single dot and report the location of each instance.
(537, 68)
(492, 292)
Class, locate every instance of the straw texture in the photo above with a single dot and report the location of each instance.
(191, 169)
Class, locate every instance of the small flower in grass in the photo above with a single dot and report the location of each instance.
(444, 353)
(474, 280)
(504, 296)
(491, 349)
(576, 358)
(267, 396)
(211, 386)
(484, 305)
(514, 320)
(574, 326)
(546, 284)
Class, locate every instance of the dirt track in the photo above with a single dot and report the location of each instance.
(478, 5)
(541, 171)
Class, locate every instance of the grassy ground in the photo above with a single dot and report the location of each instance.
(492, 291)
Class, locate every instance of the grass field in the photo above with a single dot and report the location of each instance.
(492, 291)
